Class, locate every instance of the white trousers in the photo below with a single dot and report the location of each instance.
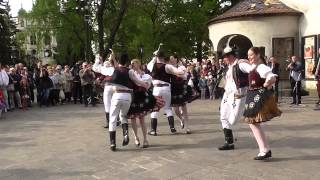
(231, 110)
(165, 93)
(120, 105)
(107, 96)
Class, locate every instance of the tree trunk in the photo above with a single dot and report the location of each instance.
(100, 18)
(116, 26)
(199, 51)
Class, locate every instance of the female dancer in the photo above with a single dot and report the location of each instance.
(181, 93)
(260, 103)
(143, 102)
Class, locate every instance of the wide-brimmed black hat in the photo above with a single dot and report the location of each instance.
(228, 51)
(160, 54)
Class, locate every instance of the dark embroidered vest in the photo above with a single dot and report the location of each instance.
(255, 80)
(159, 73)
(121, 76)
(240, 78)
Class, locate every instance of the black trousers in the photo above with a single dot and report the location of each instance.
(276, 89)
(296, 91)
(77, 92)
(88, 94)
(68, 96)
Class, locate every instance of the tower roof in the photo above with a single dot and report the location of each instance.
(253, 8)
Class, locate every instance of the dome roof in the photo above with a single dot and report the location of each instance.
(253, 8)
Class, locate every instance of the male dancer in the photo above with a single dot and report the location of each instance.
(108, 88)
(122, 79)
(233, 101)
(161, 74)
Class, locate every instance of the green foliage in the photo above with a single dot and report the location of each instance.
(180, 24)
(7, 34)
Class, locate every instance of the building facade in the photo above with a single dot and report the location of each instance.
(281, 28)
(35, 45)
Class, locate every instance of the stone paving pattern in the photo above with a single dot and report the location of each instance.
(68, 143)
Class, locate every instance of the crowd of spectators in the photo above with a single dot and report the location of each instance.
(51, 85)
(45, 85)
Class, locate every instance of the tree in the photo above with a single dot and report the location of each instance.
(129, 26)
(8, 52)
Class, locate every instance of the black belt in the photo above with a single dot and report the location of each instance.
(123, 91)
(161, 85)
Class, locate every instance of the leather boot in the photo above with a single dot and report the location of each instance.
(171, 124)
(228, 145)
(125, 134)
(154, 124)
(112, 140)
(107, 121)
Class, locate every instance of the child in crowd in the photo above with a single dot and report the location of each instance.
(203, 86)
(210, 84)
(25, 93)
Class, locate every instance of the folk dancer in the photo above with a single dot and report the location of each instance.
(161, 75)
(181, 93)
(143, 103)
(108, 88)
(232, 104)
(122, 80)
(260, 103)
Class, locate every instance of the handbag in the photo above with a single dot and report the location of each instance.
(62, 95)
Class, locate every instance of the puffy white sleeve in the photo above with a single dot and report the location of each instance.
(147, 78)
(151, 64)
(245, 67)
(184, 69)
(170, 69)
(265, 72)
(99, 68)
(135, 78)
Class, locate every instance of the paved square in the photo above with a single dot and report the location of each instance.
(68, 143)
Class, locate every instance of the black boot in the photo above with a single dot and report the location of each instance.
(112, 140)
(125, 134)
(228, 145)
(171, 124)
(154, 124)
(107, 120)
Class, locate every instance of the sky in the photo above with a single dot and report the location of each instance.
(16, 5)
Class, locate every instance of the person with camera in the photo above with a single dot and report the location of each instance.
(87, 77)
(296, 75)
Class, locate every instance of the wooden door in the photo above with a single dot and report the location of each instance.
(282, 50)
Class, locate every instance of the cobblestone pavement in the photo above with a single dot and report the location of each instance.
(68, 143)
